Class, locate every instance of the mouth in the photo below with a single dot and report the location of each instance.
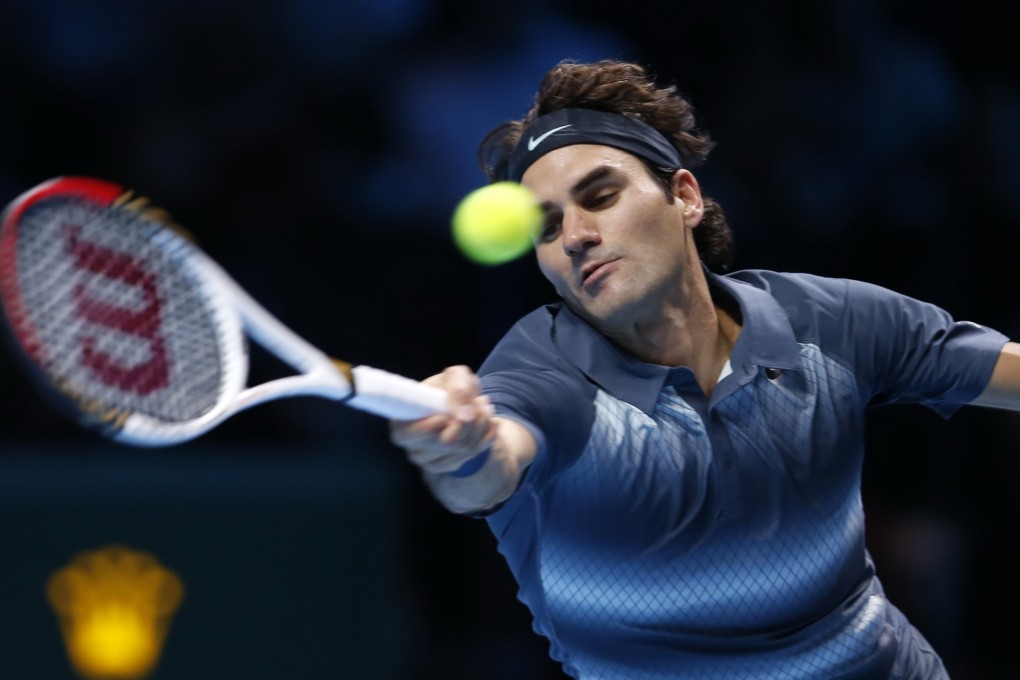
(593, 272)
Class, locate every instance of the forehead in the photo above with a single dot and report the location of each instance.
(561, 168)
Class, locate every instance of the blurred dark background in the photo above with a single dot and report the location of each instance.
(317, 149)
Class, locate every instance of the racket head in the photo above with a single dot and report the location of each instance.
(117, 316)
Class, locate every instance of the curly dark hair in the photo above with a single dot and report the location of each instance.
(627, 89)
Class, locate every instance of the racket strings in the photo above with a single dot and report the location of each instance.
(121, 322)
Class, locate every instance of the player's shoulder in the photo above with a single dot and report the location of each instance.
(528, 345)
(822, 308)
(792, 286)
(795, 288)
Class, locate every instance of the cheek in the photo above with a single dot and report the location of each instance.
(544, 259)
(553, 267)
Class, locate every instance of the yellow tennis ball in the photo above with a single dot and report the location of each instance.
(496, 223)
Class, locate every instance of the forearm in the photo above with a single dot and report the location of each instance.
(512, 451)
(442, 444)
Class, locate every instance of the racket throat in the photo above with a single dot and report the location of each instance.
(345, 369)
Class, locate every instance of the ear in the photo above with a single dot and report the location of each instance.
(688, 192)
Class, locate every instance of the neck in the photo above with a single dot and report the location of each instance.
(692, 331)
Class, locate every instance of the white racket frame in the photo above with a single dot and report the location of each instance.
(238, 315)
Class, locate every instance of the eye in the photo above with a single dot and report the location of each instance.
(602, 199)
(552, 224)
(548, 231)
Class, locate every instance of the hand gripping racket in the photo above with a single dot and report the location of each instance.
(131, 325)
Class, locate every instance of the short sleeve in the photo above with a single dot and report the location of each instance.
(530, 383)
(908, 351)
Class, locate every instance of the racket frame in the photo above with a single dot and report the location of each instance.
(236, 315)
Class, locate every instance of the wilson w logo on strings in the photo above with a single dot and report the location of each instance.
(139, 322)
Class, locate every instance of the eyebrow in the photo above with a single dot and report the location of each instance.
(596, 174)
(589, 179)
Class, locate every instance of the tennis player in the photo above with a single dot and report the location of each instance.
(670, 458)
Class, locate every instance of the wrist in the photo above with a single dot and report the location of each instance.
(472, 465)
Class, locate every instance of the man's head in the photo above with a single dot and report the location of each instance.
(618, 252)
(624, 89)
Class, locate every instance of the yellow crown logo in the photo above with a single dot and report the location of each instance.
(114, 606)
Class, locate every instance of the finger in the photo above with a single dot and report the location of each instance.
(456, 435)
(417, 432)
(471, 432)
(462, 386)
(438, 436)
(478, 428)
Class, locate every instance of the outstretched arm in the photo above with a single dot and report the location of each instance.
(471, 460)
(1003, 390)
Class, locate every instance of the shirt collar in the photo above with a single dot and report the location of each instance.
(766, 340)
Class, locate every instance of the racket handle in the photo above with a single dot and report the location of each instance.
(393, 396)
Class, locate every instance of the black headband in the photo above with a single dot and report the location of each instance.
(588, 126)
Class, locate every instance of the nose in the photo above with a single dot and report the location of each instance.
(579, 231)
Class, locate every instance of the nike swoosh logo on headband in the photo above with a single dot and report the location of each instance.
(532, 142)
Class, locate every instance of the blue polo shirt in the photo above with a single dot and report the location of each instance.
(662, 534)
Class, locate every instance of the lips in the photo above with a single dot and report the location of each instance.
(593, 271)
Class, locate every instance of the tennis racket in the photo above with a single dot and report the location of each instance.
(128, 323)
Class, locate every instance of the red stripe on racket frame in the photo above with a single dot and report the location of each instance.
(141, 379)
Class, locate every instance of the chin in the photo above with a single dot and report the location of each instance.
(602, 317)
